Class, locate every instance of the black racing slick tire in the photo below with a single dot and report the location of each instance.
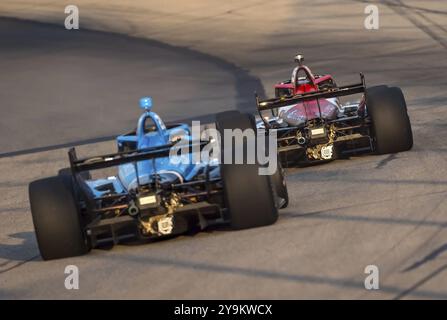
(277, 179)
(249, 196)
(56, 218)
(391, 127)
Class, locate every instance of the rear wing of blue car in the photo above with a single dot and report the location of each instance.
(115, 159)
(274, 103)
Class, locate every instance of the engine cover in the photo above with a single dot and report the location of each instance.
(309, 110)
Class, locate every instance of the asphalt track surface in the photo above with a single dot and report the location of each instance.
(388, 211)
(58, 79)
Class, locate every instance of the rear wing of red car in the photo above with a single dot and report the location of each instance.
(274, 103)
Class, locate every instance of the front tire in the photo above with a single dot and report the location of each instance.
(279, 183)
(56, 218)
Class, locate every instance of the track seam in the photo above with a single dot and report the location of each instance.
(420, 283)
(398, 7)
(19, 264)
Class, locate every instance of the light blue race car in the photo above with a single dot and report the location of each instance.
(153, 193)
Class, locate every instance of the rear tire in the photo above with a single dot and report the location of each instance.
(249, 197)
(391, 125)
(56, 218)
(277, 179)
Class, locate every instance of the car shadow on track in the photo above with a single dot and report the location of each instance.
(23, 251)
(131, 242)
(215, 268)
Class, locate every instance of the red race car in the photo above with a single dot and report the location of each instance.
(314, 125)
